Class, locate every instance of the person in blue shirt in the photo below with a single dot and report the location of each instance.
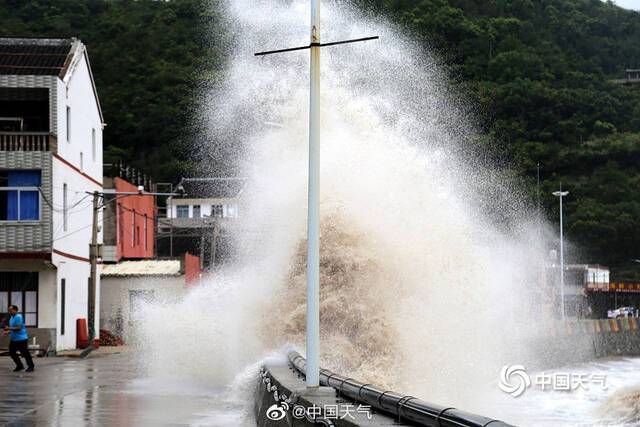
(19, 340)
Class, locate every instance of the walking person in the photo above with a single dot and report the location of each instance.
(19, 340)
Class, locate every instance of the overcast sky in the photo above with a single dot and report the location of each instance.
(629, 4)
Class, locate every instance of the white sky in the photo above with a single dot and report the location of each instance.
(629, 4)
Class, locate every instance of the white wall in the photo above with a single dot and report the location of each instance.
(78, 95)
(71, 243)
(205, 206)
(114, 294)
(77, 275)
(47, 299)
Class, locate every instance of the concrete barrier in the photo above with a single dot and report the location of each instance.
(283, 400)
(576, 341)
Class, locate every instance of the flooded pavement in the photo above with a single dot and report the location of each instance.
(107, 391)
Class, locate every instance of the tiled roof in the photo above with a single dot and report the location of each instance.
(142, 268)
(34, 56)
(212, 188)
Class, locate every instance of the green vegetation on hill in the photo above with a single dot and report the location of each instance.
(541, 72)
(539, 69)
(145, 56)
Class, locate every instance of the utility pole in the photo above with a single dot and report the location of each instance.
(313, 211)
(313, 218)
(93, 258)
(560, 194)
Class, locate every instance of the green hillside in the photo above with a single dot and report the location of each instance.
(539, 70)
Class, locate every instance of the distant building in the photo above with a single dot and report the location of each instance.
(205, 198)
(129, 222)
(50, 157)
(200, 221)
(632, 77)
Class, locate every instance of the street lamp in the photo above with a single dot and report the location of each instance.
(560, 194)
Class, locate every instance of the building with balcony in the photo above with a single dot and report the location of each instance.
(201, 220)
(50, 157)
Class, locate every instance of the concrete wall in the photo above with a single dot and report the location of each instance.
(77, 94)
(115, 295)
(48, 299)
(279, 387)
(80, 174)
(584, 340)
(76, 274)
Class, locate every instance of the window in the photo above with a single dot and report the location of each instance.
(21, 289)
(68, 124)
(182, 211)
(120, 226)
(19, 195)
(65, 204)
(217, 211)
(63, 300)
(133, 228)
(81, 161)
(232, 211)
(93, 145)
(145, 233)
(196, 211)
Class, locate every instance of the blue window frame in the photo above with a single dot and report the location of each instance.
(19, 195)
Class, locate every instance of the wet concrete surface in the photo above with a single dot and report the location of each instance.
(101, 391)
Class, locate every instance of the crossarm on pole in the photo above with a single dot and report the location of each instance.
(291, 49)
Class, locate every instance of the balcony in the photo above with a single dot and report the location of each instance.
(27, 141)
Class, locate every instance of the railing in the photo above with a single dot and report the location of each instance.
(27, 141)
(401, 407)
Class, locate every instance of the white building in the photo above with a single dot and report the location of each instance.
(129, 285)
(217, 198)
(50, 157)
(202, 219)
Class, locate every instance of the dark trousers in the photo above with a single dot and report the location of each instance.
(23, 348)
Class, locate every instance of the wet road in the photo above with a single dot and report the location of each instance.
(106, 391)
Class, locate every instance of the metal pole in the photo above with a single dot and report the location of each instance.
(313, 221)
(561, 259)
(93, 257)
